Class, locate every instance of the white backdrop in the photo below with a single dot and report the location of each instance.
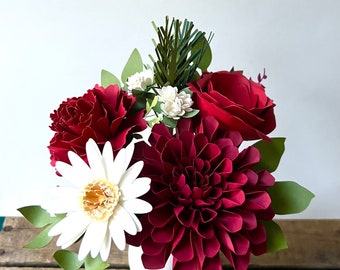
(54, 49)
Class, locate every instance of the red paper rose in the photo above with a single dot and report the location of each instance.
(236, 102)
(100, 114)
(206, 198)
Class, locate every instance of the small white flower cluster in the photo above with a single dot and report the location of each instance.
(140, 80)
(174, 104)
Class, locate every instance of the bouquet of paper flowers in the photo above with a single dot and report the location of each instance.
(157, 160)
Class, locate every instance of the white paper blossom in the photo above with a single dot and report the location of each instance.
(174, 104)
(140, 80)
(103, 201)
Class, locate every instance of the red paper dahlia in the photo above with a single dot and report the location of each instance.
(206, 199)
(101, 114)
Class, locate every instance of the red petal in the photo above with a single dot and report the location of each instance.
(184, 250)
(257, 200)
(172, 152)
(230, 222)
(233, 198)
(154, 262)
(160, 216)
(164, 234)
(213, 263)
(211, 247)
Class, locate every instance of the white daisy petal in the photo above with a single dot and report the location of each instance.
(124, 219)
(79, 163)
(108, 161)
(67, 238)
(99, 233)
(131, 174)
(137, 206)
(69, 221)
(65, 199)
(94, 158)
(93, 239)
(106, 246)
(122, 161)
(117, 234)
(138, 188)
(137, 222)
(128, 155)
(73, 174)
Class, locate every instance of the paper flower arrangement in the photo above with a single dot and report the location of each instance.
(157, 160)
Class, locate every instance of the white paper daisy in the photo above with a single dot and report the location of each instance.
(103, 201)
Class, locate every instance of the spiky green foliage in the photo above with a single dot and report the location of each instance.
(181, 50)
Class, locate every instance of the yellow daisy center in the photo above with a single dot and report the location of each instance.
(99, 199)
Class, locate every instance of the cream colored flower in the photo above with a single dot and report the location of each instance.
(102, 202)
(174, 104)
(140, 80)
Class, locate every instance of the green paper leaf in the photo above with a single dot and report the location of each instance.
(107, 78)
(95, 263)
(170, 122)
(289, 197)
(187, 91)
(275, 237)
(67, 260)
(271, 153)
(190, 114)
(151, 103)
(133, 65)
(40, 218)
(36, 215)
(206, 58)
(42, 239)
(153, 121)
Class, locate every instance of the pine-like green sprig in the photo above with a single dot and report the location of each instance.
(180, 51)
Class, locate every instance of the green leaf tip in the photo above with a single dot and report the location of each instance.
(36, 215)
(275, 237)
(41, 240)
(288, 197)
(40, 218)
(107, 78)
(95, 263)
(271, 153)
(67, 260)
(133, 65)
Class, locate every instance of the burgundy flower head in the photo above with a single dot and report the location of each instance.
(206, 198)
(237, 102)
(101, 114)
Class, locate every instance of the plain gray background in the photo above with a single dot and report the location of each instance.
(54, 49)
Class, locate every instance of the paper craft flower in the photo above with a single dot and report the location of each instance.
(236, 102)
(174, 104)
(103, 201)
(140, 80)
(190, 192)
(103, 114)
(206, 198)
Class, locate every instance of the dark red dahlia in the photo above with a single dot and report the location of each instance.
(206, 199)
(101, 114)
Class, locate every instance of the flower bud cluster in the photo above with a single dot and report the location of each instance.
(174, 104)
(140, 80)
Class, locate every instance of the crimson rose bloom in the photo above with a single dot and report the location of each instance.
(206, 198)
(100, 114)
(236, 102)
